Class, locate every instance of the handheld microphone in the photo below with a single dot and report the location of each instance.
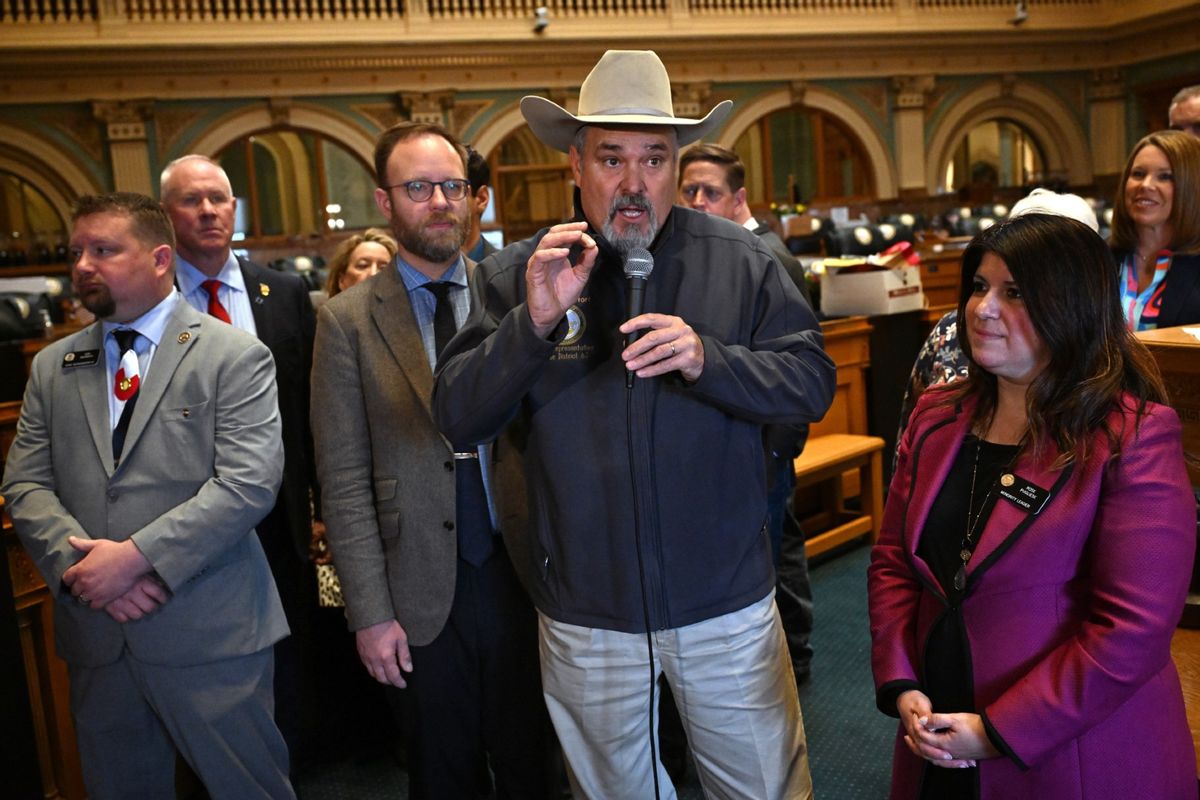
(638, 265)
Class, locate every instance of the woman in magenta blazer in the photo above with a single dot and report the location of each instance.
(1037, 545)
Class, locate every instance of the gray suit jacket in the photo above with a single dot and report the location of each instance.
(201, 466)
(386, 473)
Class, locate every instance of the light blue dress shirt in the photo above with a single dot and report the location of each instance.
(150, 327)
(233, 294)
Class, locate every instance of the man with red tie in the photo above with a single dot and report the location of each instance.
(275, 307)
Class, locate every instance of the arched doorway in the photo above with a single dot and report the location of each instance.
(31, 230)
(533, 185)
(297, 183)
(996, 154)
(802, 154)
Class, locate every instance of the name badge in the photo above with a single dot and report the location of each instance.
(81, 358)
(1022, 493)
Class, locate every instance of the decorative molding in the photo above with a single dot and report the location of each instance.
(797, 90)
(913, 91)
(463, 114)
(1008, 85)
(125, 121)
(80, 127)
(1107, 83)
(169, 125)
(691, 99)
(280, 109)
(429, 107)
(384, 115)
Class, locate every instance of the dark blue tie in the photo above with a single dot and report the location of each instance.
(476, 536)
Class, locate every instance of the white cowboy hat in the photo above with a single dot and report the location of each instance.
(626, 87)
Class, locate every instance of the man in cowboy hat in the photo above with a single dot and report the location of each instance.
(648, 497)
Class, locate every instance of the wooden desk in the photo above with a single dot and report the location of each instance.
(848, 343)
(45, 672)
(940, 276)
(1178, 356)
(31, 347)
(824, 464)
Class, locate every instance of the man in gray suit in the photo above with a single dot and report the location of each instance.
(147, 450)
(430, 589)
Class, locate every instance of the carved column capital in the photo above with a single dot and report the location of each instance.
(280, 109)
(430, 107)
(912, 91)
(125, 121)
(691, 99)
(1008, 84)
(798, 89)
(1107, 84)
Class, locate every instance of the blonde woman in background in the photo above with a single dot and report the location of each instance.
(358, 258)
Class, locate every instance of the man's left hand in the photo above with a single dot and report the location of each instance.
(146, 596)
(107, 570)
(670, 345)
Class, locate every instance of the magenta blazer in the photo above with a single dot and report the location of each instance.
(1069, 614)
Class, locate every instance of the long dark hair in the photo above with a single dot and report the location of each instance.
(1069, 284)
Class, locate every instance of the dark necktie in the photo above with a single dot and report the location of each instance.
(474, 524)
(125, 386)
(215, 308)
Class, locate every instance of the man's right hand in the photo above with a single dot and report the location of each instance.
(552, 282)
(383, 648)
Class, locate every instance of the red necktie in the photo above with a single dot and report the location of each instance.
(214, 302)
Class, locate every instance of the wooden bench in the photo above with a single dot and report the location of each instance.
(824, 461)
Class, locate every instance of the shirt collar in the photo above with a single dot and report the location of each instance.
(415, 279)
(189, 277)
(151, 324)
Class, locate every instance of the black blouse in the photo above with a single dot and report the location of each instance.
(947, 677)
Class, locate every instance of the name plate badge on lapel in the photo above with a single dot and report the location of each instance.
(1022, 493)
(81, 358)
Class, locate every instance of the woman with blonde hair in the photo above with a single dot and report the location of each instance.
(358, 258)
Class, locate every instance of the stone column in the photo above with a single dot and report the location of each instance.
(128, 149)
(1106, 122)
(908, 109)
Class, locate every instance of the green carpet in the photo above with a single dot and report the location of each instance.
(850, 743)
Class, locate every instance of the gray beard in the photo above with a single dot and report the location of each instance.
(632, 237)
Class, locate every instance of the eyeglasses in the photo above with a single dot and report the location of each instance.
(420, 191)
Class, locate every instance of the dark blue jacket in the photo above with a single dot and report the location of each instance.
(693, 491)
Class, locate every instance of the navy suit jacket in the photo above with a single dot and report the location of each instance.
(283, 315)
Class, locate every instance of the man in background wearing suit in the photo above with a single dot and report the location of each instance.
(142, 462)
(276, 308)
(430, 589)
(712, 179)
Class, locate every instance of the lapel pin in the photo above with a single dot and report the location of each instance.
(185, 337)
(68, 358)
(264, 290)
(1007, 479)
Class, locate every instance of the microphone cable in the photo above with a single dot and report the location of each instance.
(637, 540)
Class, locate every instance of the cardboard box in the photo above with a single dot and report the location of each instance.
(881, 291)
